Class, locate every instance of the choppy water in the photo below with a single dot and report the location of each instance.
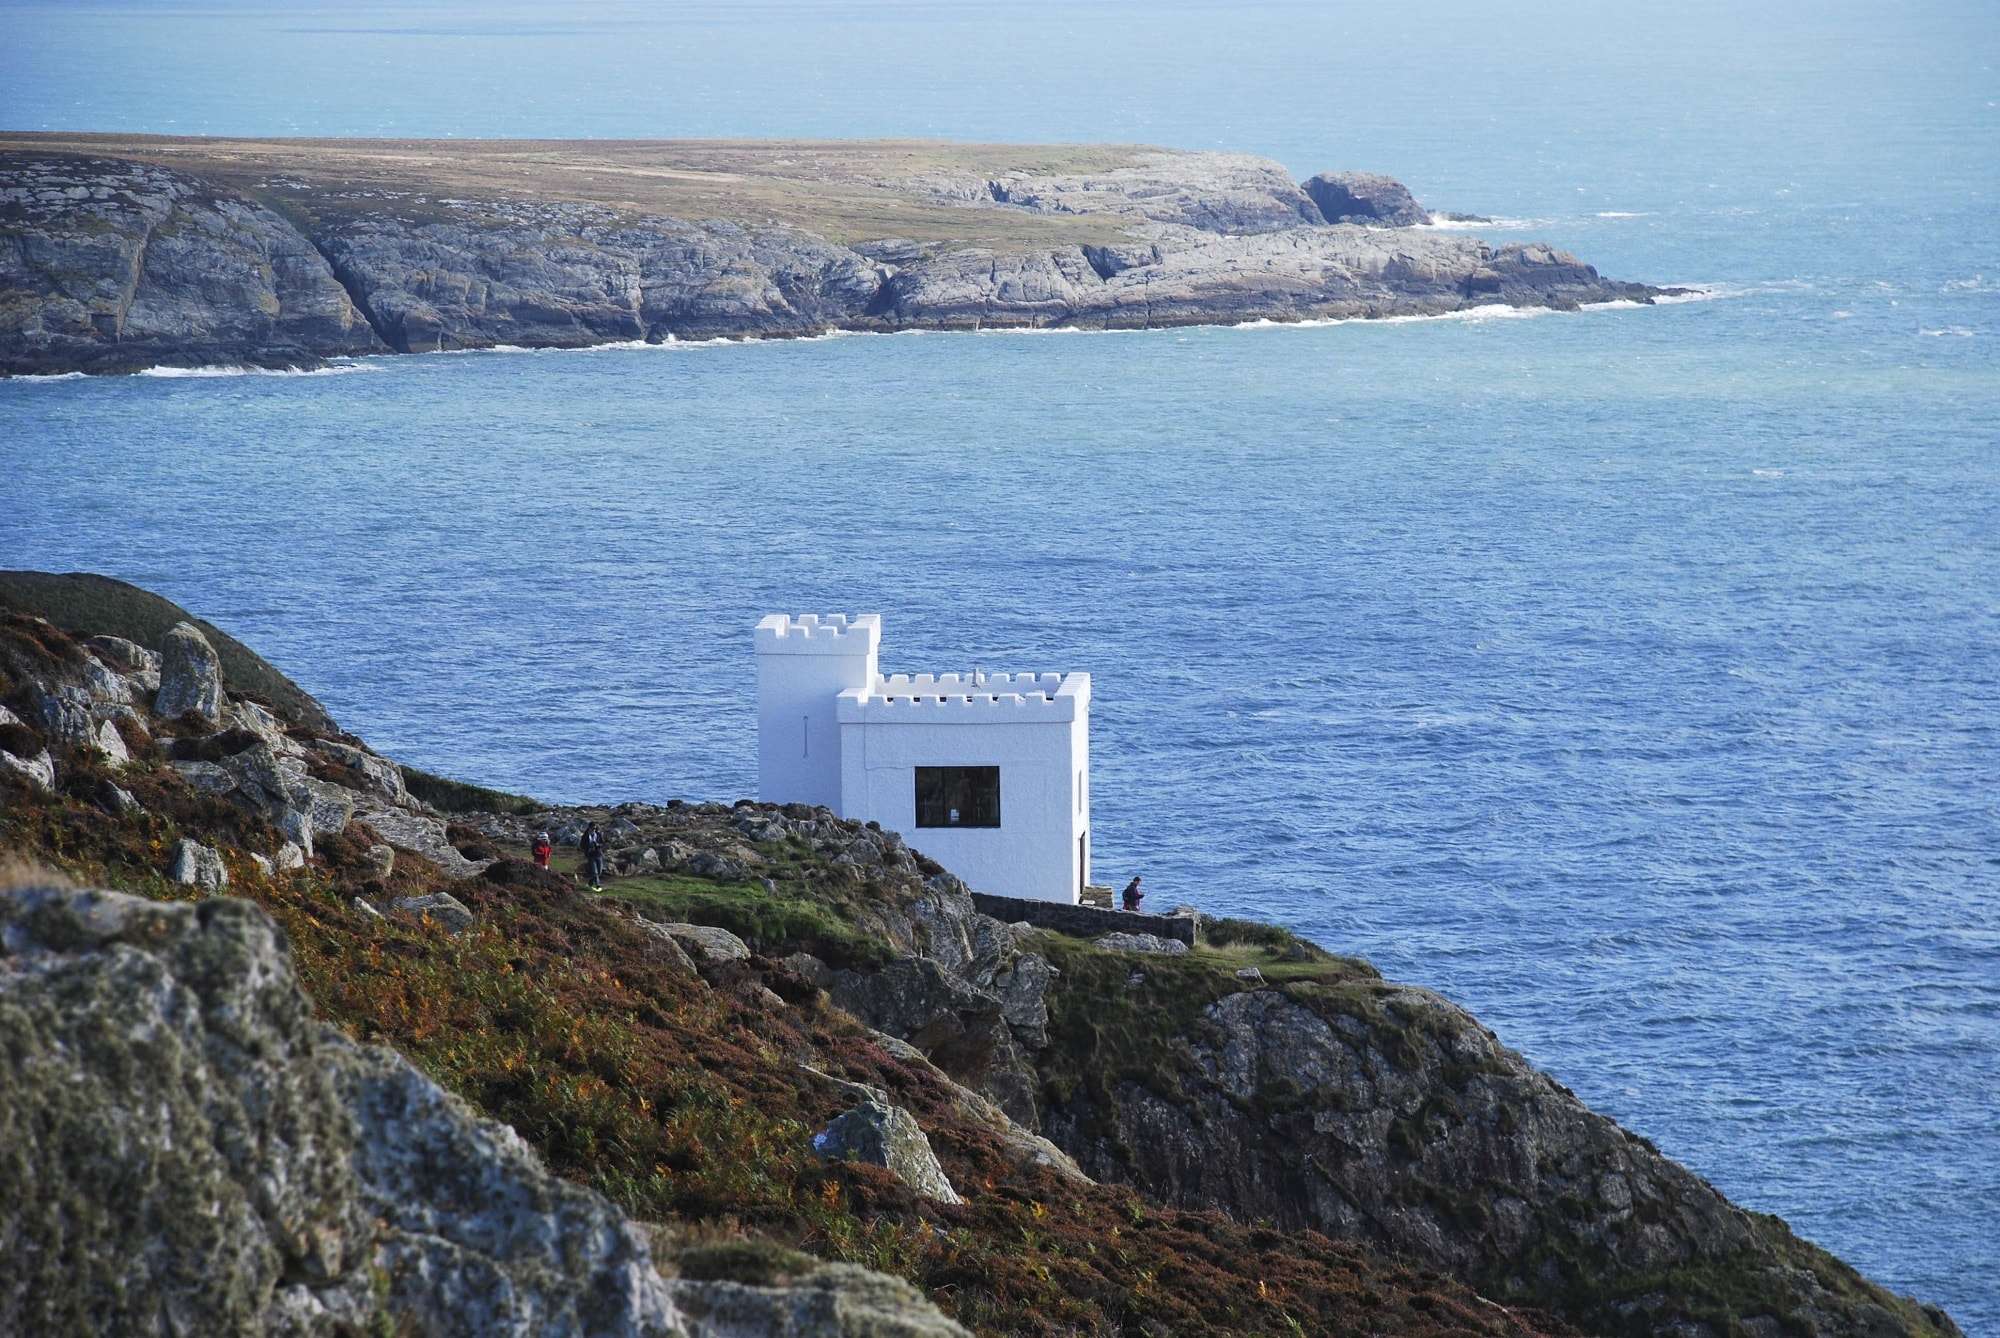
(1633, 677)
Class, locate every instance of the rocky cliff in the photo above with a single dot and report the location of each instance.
(779, 1036)
(121, 252)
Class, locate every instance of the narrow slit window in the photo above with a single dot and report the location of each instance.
(958, 796)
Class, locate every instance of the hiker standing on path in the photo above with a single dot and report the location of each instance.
(1133, 894)
(543, 848)
(592, 845)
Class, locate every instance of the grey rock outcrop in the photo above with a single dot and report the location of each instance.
(831, 1301)
(197, 865)
(184, 1149)
(162, 1056)
(1141, 943)
(122, 264)
(190, 677)
(447, 911)
(23, 756)
(1365, 198)
(1390, 1116)
(887, 1136)
(133, 265)
(708, 943)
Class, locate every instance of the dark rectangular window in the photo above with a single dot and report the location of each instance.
(958, 796)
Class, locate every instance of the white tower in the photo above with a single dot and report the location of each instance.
(804, 663)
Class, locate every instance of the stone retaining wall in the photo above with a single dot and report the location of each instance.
(1085, 921)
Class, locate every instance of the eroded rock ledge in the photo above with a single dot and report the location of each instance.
(117, 254)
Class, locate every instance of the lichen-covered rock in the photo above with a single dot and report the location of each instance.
(184, 1150)
(411, 831)
(1385, 1114)
(447, 911)
(381, 861)
(829, 1301)
(1123, 942)
(888, 1136)
(1365, 198)
(197, 865)
(190, 677)
(23, 756)
(708, 943)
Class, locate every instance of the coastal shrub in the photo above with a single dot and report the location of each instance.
(455, 796)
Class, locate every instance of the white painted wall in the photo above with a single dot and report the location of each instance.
(831, 730)
(1038, 741)
(803, 665)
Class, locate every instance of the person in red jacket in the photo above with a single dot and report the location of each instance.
(543, 849)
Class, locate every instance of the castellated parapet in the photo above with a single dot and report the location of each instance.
(1053, 698)
(819, 634)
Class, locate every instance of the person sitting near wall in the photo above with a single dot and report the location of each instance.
(1133, 894)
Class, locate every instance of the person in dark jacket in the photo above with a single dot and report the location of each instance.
(1133, 894)
(592, 846)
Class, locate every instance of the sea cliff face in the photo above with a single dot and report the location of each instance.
(1043, 1132)
(118, 253)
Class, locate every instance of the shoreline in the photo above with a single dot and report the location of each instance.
(344, 364)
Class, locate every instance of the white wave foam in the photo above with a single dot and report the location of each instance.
(1768, 473)
(1978, 283)
(1948, 332)
(1440, 223)
(34, 377)
(1621, 213)
(176, 373)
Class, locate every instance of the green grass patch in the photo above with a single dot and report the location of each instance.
(775, 924)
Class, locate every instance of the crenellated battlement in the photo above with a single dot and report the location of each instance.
(958, 698)
(819, 634)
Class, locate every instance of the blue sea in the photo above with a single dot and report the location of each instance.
(1632, 676)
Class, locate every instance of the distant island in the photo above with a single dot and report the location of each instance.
(120, 252)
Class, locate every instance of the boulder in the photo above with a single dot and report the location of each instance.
(709, 944)
(126, 657)
(32, 764)
(380, 860)
(831, 1301)
(421, 835)
(1123, 942)
(190, 677)
(291, 855)
(706, 864)
(366, 908)
(442, 907)
(197, 865)
(64, 715)
(1250, 974)
(887, 1136)
(111, 743)
(38, 772)
(1367, 199)
(668, 947)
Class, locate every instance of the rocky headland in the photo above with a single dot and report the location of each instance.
(295, 1040)
(123, 252)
